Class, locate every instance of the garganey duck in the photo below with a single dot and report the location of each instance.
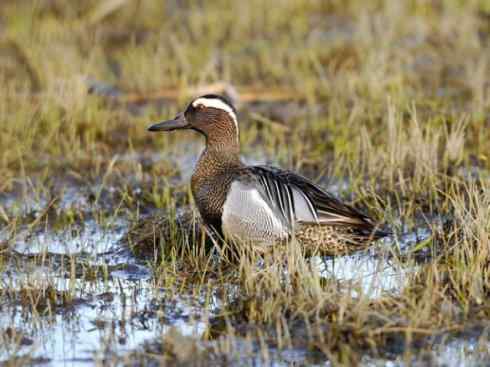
(260, 204)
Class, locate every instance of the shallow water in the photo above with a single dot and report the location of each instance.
(463, 352)
(121, 309)
(458, 352)
(114, 315)
(110, 320)
(365, 275)
(89, 238)
(108, 317)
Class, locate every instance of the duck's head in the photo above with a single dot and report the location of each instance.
(211, 115)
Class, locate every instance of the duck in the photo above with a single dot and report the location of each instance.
(262, 205)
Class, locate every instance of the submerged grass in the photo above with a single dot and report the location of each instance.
(386, 103)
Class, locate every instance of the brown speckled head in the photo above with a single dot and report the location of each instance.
(211, 115)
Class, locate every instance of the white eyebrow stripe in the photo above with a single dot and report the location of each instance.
(219, 104)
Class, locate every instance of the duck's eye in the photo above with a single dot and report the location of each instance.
(200, 107)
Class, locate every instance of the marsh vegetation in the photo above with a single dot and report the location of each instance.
(386, 104)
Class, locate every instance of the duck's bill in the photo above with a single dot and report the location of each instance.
(179, 122)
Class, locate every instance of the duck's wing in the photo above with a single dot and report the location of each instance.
(297, 199)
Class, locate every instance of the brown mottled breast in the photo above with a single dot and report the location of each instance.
(210, 184)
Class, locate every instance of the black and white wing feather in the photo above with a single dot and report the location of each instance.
(297, 199)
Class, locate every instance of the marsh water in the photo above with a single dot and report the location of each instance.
(115, 309)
